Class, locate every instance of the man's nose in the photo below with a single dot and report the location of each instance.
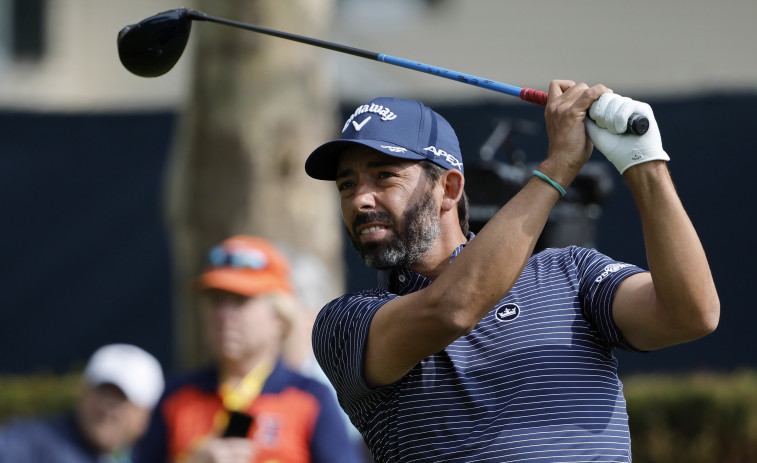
(365, 197)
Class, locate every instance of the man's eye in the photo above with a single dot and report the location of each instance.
(344, 185)
(386, 174)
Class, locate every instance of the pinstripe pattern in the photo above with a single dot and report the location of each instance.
(542, 387)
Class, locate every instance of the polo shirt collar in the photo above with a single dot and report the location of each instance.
(404, 281)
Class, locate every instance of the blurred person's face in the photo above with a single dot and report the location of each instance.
(240, 328)
(108, 420)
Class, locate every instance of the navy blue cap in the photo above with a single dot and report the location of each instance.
(399, 128)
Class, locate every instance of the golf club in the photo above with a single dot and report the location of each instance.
(153, 46)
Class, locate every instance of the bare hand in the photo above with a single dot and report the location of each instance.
(569, 146)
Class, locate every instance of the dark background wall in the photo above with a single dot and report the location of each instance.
(86, 258)
(84, 251)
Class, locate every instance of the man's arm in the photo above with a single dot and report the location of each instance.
(676, 301)
(412, 327)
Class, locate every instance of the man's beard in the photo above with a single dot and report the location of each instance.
(419, 228)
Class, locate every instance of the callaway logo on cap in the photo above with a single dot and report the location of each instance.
(397, 127)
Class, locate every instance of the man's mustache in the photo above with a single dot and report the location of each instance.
(368, 217)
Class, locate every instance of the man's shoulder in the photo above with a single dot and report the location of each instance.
(566, 254)
(373, 293)
(556, 253)
(355, 301)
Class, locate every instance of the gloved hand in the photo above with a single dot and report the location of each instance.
(610, 115)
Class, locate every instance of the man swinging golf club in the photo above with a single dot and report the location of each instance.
(470, 348)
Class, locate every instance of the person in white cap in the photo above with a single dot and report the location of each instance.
(121, 385)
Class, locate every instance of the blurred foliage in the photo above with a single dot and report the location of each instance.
(700, 418)
(38, 394)
(693, 418)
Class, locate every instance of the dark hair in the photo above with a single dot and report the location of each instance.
(433, 172)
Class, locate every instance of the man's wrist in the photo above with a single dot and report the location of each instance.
(645, 179)
(562, 175)
(646, 171)
(546, 178)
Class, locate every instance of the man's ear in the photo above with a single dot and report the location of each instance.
(452, 183)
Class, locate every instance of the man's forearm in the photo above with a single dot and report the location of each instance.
(680, 272)
(492, 263)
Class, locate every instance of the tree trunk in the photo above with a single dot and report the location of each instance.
(259, 105)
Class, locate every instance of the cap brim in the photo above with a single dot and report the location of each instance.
(236, 281)
(322, 162)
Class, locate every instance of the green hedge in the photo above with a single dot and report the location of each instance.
(701, 418)
(39, 394)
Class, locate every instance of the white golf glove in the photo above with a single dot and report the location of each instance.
(610, 115)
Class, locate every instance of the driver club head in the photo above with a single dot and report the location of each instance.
(152, 47)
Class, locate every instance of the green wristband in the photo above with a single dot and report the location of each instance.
(550, 181)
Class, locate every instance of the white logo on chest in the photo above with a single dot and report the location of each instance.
(508, 312)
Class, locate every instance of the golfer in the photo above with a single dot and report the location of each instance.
(470, 348)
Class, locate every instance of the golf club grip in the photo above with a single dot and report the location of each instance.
(637, 124)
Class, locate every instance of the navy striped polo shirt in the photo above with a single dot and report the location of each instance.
(535, 381)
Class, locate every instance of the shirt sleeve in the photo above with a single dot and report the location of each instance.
(340, 333)
(598, 278)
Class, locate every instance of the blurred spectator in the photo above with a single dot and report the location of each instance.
(248, 307)
(122, 383)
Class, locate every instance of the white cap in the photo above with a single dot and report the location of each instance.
(136, 372)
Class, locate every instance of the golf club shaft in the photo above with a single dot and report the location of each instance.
(527, 94)
(637, 124)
